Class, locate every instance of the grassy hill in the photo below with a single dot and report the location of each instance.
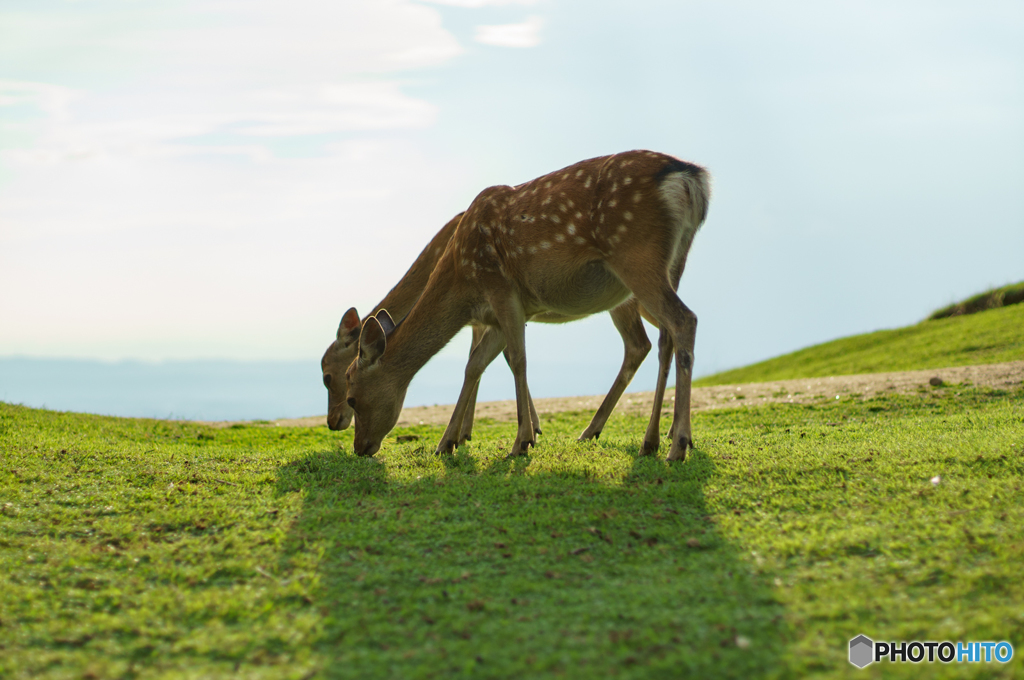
(991, 335)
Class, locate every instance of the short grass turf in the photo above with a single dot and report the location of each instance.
(988, 337)
(152, 549)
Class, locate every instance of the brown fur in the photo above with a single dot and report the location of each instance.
(581, 240)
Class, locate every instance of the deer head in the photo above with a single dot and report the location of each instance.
(368, 384)
(336, 360)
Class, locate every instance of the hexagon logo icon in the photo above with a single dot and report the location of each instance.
(861, 651)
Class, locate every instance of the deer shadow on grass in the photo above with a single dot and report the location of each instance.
(488, 568)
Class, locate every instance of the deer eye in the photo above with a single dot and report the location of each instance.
(327, 380)
(352, 402)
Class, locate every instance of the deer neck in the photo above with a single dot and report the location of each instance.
(400, 299)
(439, 314)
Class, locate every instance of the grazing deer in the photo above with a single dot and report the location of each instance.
(342, 351)
(574, 242)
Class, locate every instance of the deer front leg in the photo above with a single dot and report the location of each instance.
(491, 343)
(466, 430)
(513, 322)
(532, 407)
(626, 318)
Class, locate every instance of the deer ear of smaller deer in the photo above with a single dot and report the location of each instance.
(386, 322)
(349, 324)
(372, 342)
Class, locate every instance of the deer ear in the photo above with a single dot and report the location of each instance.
(386, 322)
(372, 342)
(349, 325)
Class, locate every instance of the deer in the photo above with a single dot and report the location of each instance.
(578, 241)
(400, 299)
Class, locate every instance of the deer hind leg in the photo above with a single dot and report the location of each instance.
(652, 438)
(659, 297)
(626, 318)
(492, 342)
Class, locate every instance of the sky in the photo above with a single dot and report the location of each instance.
(223, 179)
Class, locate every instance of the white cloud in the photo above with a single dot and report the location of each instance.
(148, 202)
(526, 34)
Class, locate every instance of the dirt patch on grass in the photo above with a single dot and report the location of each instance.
(800, 391)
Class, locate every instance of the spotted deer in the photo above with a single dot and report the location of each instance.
(575, 242)
(342, 351)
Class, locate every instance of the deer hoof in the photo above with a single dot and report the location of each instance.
(587, 436)
(445, 447)
(679, 447)
(649, 448)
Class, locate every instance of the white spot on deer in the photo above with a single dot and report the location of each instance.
(519, 249)
(555, 219)
(563, 207)
(580, 240)
(579, 172)
(586, 185)
(602, 218)
(491, 250)
(637, 197)
(532, 249)
(627, 180)
(628, 216)
(465, 262)
(571, 204)
(545, 245)
(546, 200)
(579, 215)
(571, 229)
(612, 203)
(560, 238)
(485, 230)
(622, 229)
(547, 185)
(615, 187)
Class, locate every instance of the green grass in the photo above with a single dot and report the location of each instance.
(991, 299)
(988, 337)
(142, 548)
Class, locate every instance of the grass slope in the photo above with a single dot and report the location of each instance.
(988, 337)
(141, 548)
